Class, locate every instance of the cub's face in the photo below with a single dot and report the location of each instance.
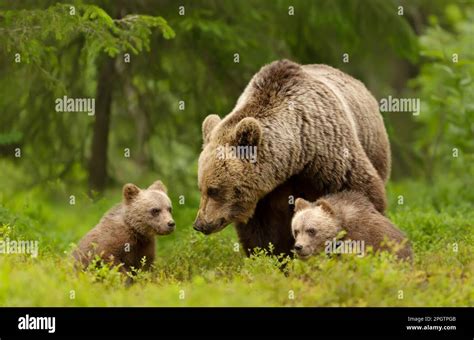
(227, 181)
(148, 211)
(312, 226)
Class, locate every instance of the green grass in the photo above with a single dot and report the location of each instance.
(196, 270)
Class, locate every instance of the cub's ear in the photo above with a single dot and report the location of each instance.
(130, 192)
(158, 185)
(325, 205)
(248, 132)
(301, 204)
(208, 125)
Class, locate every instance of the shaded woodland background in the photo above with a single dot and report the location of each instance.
(189, 60)
(60, 171)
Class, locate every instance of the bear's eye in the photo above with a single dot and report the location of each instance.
(155, 211)
(311, 231)
(296, 233)
(170, 210)
(212, 192)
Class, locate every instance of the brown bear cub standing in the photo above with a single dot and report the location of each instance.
(126, 233)
(316, 226)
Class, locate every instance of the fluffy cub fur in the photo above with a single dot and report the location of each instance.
(126, 233)
(316, 223)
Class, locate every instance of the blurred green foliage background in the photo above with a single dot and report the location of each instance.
(182, 68)
(189, 60)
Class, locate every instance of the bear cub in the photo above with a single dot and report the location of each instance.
(126, 233)
(317, 226)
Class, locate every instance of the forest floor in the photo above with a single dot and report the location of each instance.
(196, 270)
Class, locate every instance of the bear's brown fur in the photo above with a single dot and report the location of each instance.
(272, 216)
(315, 224)
(126, 233)
(311, 124)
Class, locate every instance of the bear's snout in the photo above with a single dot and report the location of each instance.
(198, 225)
(302, 251)
(171, 225)
(208, 228)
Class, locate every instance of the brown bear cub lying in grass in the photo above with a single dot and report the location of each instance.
(345, 222)
(126, 233)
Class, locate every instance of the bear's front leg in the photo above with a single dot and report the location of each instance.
(271, 222)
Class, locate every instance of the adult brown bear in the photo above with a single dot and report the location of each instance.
(315, 129)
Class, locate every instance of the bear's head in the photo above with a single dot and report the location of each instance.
(312, 225)
(229, 176)
(148, 211)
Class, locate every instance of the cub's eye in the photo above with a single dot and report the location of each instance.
(170, 210)
(311, 231)
(296, 233)
(212, 192)
(155, 211)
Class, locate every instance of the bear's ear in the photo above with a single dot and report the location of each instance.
(130, 192)
(208, 125)
(325, 205)
(248, 132)
(301, 204)
(158, 185)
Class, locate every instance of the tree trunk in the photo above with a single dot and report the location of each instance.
(98, 160)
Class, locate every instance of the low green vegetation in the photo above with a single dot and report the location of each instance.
(156, 73)
(196, 270)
